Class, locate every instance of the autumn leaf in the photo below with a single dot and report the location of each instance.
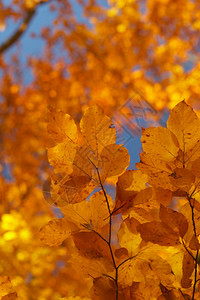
(162, 196)
(90, 245)
(158, 171)
(128, 185)
(182, 178)
(139, 291)
(61, 127)
(128, 237)
(71, 189)
(194, 243)
(176, 220)
(97, 129)
(114, 160)
(99, 209)
(158, 233)
(160, 142)
(183, 122)
(6, 289)
(103, 288)
(188, 268)
(61, 157)
(132, 270)
(56, 231)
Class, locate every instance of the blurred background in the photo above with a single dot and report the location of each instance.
(135, 58)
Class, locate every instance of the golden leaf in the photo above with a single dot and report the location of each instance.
(160, 142)
(56, 231)
(183, 122)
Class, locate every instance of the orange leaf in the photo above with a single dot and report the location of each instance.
(6, 289)
(188, 268)
(56, 231)
(90, 245)
(183, 122)
(97, 129)
(114, 160)
(160, 142)
(194, 243)
(182, 178)
(61, 127)
(176, 220)
(158, 233)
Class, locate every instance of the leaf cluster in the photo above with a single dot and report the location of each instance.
(148, 236)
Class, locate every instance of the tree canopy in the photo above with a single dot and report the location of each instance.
(59, 158)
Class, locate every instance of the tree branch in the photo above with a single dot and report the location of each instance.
(20, 31)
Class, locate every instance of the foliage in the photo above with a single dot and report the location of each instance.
(144, 50)
(156, 244)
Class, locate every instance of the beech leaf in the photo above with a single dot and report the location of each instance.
(158, 233)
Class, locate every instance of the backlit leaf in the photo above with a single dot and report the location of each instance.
(56, 231)
(159, 142)
(97, 129)
(61, 127)
(114, 160)
(183, 122)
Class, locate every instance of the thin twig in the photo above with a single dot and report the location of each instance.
(188, 250)
(195, 233)
(20, 30)
(110, 229)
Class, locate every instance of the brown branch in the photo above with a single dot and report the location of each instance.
(189, 197)
(110, 229)
(20, 31)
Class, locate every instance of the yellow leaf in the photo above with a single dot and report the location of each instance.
(130, 271)
(128, 239)
(158, 171)
(56, 231)
(114, 160)
(6, 289)
(61, 127)
(97, 129)
(78, 213)
(61, 157)
(99, 209)
(72, 189)
(159, 142)
(183, 122)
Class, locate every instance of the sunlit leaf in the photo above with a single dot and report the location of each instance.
(56, 231)
(183, 122)
(159, 142)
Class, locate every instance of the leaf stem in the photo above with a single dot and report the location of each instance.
(110, 231)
